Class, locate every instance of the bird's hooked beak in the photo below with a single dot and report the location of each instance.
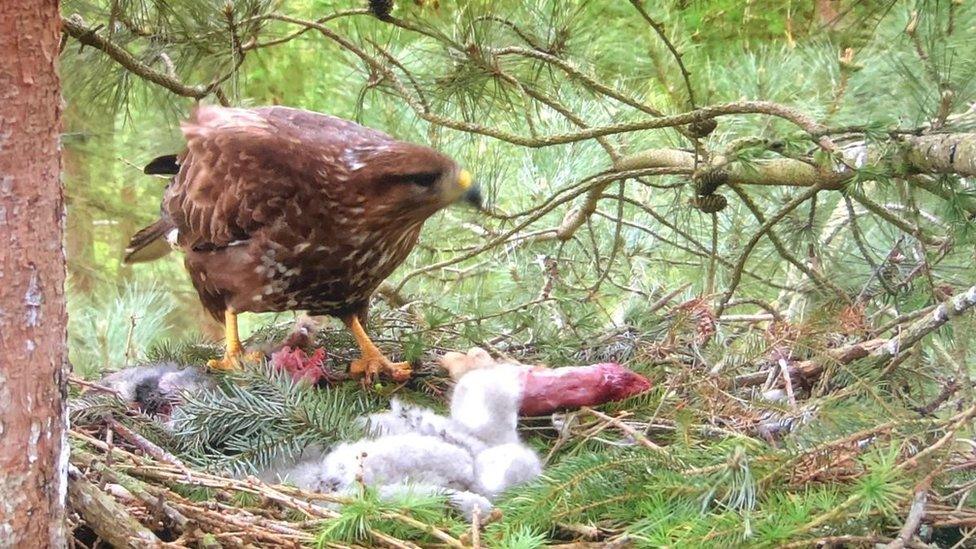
(471, 191)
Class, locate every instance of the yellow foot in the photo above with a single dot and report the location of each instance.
(232, 362)
(372, 366)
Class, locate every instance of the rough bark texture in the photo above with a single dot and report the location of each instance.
(33, 447)
(108, 518)
(942, 153)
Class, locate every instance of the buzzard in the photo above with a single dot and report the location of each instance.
(282, 209)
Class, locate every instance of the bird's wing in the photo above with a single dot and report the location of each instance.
(246, 168)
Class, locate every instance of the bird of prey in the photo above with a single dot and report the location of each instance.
(282, 209)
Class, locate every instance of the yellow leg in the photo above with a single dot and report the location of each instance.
(372, 362)
(234, 356)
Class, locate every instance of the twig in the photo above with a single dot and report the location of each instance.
(907, 317)
(811, 369)
(659, 29)
(862, 247)
(806, 123)
(587, 80)
(476, 527)
(713, 256)
(818, 279)
(832, 541)
(540, 211)
(763, 229)
(77, 29)
(256, 45)
(666, 298)
(110, 520)
(913, 520)
(92, 385)
(946, 311)
(957, 422)
(616, 242)
(451, 541)
(128, 340)
(633, 433)
(880, 351)
(784, 371)
(700, 249)
(768, 307)
(878, 271)
(948, 389)
(511, 26)
(145, 444)
(887, 215)
(137, 488)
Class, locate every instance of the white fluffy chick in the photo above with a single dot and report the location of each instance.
(470, 457)
(486, 403)
(404, 417)
(301, 471)
(310, 474)
(501, 467)
(393, 459)
(408, 418)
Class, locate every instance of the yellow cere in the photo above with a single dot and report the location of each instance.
(464, 179)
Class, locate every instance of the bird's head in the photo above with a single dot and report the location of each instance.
(416, 181)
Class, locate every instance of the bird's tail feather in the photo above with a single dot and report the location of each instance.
(150, 243)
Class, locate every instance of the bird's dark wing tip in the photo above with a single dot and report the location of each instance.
(162, 165)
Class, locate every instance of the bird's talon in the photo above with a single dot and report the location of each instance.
(254, 357)
(400, 371)
(225, 364)
(235, 362)
(371, 368)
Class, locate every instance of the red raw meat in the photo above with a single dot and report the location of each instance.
(547, 390)
(300, 365)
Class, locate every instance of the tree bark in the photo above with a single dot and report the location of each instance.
(107, 517)
(33, 445)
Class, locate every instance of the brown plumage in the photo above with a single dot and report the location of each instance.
(282, 209)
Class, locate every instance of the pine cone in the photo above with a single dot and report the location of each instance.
(707, 180)
(702, 128)
(698, 312)
(381, 9)
(711, 203)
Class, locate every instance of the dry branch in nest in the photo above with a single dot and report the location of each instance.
(882, 351)
(138, 501)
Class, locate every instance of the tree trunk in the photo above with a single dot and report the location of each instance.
(33, 444)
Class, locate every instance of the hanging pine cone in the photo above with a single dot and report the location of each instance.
(710, 204)
(381, 9)
(708, 179)
(702, 128)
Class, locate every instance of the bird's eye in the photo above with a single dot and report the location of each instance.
(426, 180)
(422, 179)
